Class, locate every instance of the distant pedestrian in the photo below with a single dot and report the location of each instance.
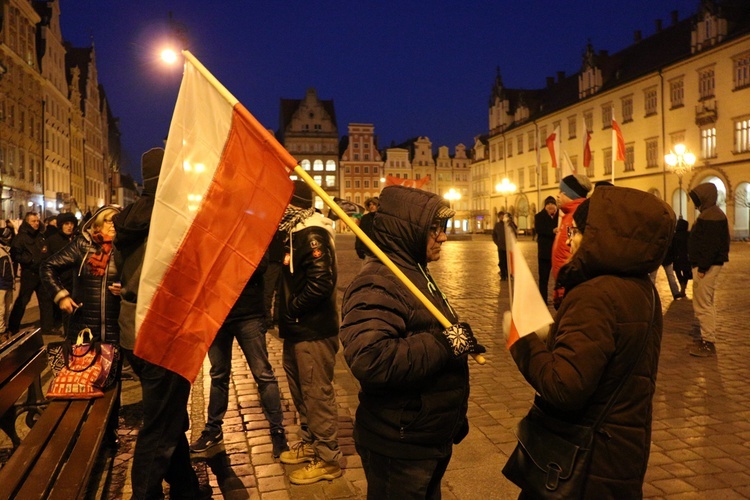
(246, 323)
(573, 191)
(668, 266)
(681, 262)
(708, 249)
(30, 249)
(365, 224)
(7, 280)
(545, 227)
(412, 371)
(309, 326)
(498, 236)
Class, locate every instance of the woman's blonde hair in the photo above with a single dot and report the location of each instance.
(98, 222)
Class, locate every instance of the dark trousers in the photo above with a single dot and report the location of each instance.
(32, 283)
(545, 267)
(502, 263)
(251, 337)
(398, 478)
(270, 285)
(161, 450)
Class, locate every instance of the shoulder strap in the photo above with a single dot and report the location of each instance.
(617, 391)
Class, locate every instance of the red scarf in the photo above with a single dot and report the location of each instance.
(98, 261)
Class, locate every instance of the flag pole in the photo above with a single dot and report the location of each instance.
(378, 252)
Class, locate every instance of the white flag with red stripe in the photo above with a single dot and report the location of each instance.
(528, 310)
(223, 187)
(553, 146)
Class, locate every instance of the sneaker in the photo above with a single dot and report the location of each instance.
(208, 444)
(315, 471)
(703, 349)
(300, 452)
(278, 439)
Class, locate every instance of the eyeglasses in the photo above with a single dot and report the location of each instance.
(572, 231)
(108, 221)
(438, 228)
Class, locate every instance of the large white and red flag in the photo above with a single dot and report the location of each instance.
(529, 313)
(223, 187)
(618, 142)
(553, 146)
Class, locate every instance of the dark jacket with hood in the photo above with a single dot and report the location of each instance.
(99, 307)
(29, 248)
(709, 239)
(414, 395)
(307, 289)
(610, 313)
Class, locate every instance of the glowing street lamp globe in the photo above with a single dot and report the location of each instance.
(169, 56)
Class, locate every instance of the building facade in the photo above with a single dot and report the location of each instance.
(308, 130)
(688, 83)
(362, 174)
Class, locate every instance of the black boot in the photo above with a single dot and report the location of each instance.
(278, 439)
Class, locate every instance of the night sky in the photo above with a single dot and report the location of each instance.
(409, 67)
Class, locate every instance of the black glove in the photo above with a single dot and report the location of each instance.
(459, 340)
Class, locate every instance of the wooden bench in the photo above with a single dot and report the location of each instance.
(56, 458)
(22, 361)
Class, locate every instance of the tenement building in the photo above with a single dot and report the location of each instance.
(687, 84)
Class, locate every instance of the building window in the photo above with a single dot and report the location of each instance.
(376, 184)
(607, 116)
(608, 161)
(650, 101)
(330, 181)
(318, 179)
(500, 151)
(356, 184)
(708, 142)
(375, 170)
(356, 156)
(532, 176)
(532, 141)
(652, 153)
(318, 165)
(356, 170)
(706, 83)
(588, 120)
(348, 184)
(520, 144)
(347, 170)
(627, 109)
(330, 166)
(629, 158)
(366, 184)
(520, 178)
(742, 71)
(677, 93)
(742, 136)
(366, 170)
(590, 170)
(545, 174)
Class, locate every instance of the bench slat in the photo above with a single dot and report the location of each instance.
(73, 478)
(50, 461)
(17, 384)
(23, 459)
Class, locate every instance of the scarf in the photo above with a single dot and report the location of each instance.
(97, 262)
(293, 216)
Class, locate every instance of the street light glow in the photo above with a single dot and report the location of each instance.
(169, 56)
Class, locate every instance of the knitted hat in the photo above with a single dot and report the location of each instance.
(303, 195)
(581, 215)
(550, 199)
(572, 188)
(66, 217)
(150, 168)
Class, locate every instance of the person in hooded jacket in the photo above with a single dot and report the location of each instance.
(309, 327)
(609, 326)
(29, 249)
(708, 250)
(413, 372)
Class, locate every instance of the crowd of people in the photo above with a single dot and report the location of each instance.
(602, 249)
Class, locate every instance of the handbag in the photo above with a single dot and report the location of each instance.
(82, 370)
(552, 457)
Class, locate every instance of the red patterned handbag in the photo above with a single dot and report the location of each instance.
(86, 370)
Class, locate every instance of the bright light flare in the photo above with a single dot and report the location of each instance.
(169, 56)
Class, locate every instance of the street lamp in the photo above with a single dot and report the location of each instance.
(680, 161)
(505, 187)
(452, 195)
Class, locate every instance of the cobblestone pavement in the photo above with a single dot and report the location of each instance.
(701, 435)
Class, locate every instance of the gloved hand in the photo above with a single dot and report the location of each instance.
(459, 340)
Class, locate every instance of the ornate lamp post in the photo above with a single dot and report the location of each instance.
(452, 195)
(679, 161)
(505, 187)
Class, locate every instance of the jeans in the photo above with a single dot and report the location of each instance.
(309, 370)
(389, 477)
(251, 337)
(161, 450)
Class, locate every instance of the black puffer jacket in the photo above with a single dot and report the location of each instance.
(99, 309)
(599, 332)
(307, 290)
(413, 397)
(29, 248)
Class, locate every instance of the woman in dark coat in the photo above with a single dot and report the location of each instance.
(96, 288)
(609, 313)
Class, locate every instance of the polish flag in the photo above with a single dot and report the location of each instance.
(618, 142)
(553, 146)
(410, 183)
(529, 313)
(223, 187)
(586, 148)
